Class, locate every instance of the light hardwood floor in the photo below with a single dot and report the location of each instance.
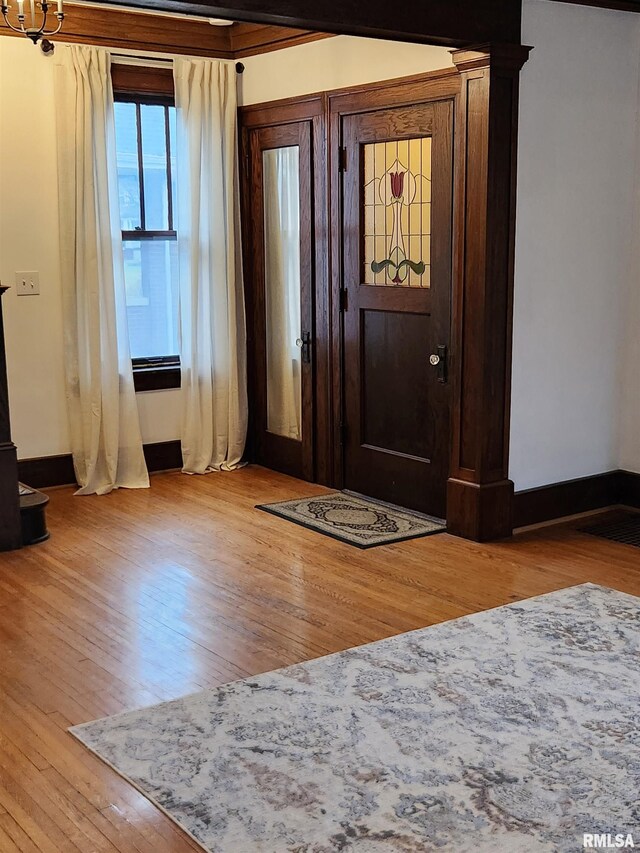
(145, 596)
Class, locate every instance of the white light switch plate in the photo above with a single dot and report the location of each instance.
(28, 283)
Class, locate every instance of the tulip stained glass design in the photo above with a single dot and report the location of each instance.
(397, 213)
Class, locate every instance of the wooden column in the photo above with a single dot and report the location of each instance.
(480, 495)
(10, 532)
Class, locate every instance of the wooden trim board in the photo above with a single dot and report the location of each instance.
(137, 29)
(438, 22)
(572, 497)
(45, 472)
(531, 506)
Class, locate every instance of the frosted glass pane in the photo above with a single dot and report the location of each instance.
(281, 188)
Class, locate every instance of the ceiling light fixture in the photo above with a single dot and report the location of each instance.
(37, 26)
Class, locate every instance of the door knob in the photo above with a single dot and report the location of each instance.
(438, 359)
(305, 345)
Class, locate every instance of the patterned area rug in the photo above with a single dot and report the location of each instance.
(355, 520)
(510, 731)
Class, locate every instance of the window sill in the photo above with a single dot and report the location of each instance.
(157, 378)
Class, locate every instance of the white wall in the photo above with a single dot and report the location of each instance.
(332, 64)
(629, 453)
(29, 241)
(575, 233)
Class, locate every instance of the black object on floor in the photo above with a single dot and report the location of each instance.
(624, 529)
(33, 517)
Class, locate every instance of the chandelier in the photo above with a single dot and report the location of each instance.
(36, 28)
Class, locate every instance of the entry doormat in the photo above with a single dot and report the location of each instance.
(509, 731)
(356, 520)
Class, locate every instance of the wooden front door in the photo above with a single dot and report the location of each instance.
(282, 335)
(397, 213)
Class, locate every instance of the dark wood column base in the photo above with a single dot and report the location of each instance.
(480, 511)
(10, 527)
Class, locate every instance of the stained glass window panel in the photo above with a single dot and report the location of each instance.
(397, 213)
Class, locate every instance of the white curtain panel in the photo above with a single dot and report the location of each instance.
(212, 324)
(281, 181)
(105, 430)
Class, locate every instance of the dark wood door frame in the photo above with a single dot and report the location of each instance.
(483, 87)
(278, 114)
(295, 457)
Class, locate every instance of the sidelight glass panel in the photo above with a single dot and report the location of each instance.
(397, 212)
(281, 188)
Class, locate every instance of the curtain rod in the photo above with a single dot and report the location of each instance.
(161, 59)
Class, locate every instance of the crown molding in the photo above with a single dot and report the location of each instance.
(127, 29)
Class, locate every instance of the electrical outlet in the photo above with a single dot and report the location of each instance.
(28, 283)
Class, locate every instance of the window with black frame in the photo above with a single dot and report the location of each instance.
(145, 126)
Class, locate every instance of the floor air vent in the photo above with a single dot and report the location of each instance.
(624, 529)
